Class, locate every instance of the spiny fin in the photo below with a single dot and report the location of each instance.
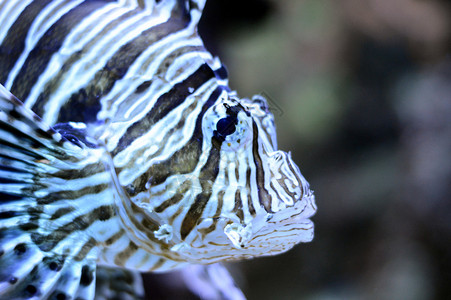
(211, 282)
(187, 4)
(46, 250)
(190, 8)
(26, 272)
(191, 5)
(115, 283)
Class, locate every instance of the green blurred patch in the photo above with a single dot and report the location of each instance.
(284, 58)
(313, 108)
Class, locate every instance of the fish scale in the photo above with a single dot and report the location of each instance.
(130, 153)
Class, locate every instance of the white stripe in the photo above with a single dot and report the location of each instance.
(187, 62)
(118, 127)
(218, 186)
(229, 195)
(193, 66)
(85, 70)
(78, 38)
(144, 68)
(91, 26)
(259, 209)
(46, 18)
(68, 48)
(108, 254)
(155, 136)
(79, 183)
(146, 102)
(9, 14)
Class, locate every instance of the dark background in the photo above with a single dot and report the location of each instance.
(361, 92)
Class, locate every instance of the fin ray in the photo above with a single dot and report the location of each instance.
(115, 283)
(46, 250)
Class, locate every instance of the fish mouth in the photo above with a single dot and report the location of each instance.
(301, 211)
(276, 232)
(310, 208)
(293, 222)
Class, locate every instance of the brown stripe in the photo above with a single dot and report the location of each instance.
(91, 243)
(86, 171)
(237, 170)
(212, 227)
(248, 188)
(56, 81)
(27, 141)
(238, 209)
(263, 195)
(48, 242)
(87, 100)
(158, 264)
(18, 148)
(115, 237)
(181, 191)
(296, 174)
(164, 105)
(220, 205)
(50, 43)
(251, 205)
(72, 195)
(170, 202)
(169, 60)
(284, 188)
(35, 214)
(207, 176)
(61, 212)
(179, 211)
(184, 160)
(14, 42)
(122, 256)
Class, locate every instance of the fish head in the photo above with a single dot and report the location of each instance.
(245, 198)
(266, 200)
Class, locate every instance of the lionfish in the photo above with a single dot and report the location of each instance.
(130, 150)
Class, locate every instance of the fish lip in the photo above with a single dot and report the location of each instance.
(310, 208)
(304, 217)
(303, 208)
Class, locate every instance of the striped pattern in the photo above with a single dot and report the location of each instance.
(195, 171)
(46, 200)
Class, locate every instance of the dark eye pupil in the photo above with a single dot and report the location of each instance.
(226, 126)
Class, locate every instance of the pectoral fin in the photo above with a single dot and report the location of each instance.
(51, 193)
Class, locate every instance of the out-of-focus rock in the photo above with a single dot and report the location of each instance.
(424, 109)
(426, 25)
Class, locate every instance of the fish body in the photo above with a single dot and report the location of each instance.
(128, 149)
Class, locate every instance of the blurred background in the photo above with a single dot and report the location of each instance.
(361, 92)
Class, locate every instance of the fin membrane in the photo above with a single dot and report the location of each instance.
(211, 282)
(44, 252)
(115, 283)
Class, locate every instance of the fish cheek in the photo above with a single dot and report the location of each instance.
(183, 161)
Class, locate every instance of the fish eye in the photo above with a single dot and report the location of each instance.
(229, 124)
(226, 126)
